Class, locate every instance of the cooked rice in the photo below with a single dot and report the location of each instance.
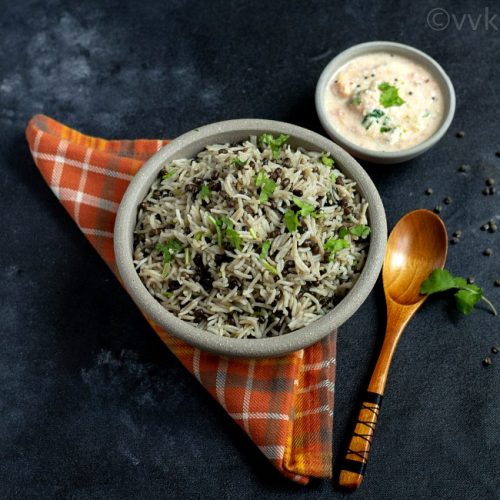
(243, 293)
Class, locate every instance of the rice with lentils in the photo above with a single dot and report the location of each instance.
(251, 240)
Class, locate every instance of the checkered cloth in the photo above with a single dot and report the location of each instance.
(284, 404)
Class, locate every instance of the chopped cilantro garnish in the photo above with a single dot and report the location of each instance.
(270, 268)
(274, 144)
(326, 160)
(265, 249)
(360, 230)
(333, 178)
(167, 294)
(356, 100)
(168, 249)
(389, 95)
(205, 192)
(267, 186)
(168, 174)
(343, 232)
(372, 117)
(334, 245)
(231, 235)
(291, 220)
(305, 208)
(383, 130)
(239, 163)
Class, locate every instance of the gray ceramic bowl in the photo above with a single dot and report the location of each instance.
(405, 51)
(188, 145)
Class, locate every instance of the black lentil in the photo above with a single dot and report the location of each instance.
(471, 280)
(486, 191)
(339, 181)
(487, 361)
(199, 314)
(454, 240)
(429, 191)
(191, 188)
(490, 181)
(315, 249)
(215, 175)
(233, 282)
(447, 200)
(494, 350)
(437, 209)
(491, 190)
(497, 154)
(223, 151)
(487, 252)
(249, 210)
(285, 182)
(297, 192)
(492, 228)
(460, 134)
(484, 227)
(457, 234)
(173, 285)
(497, 282)
(464, 168)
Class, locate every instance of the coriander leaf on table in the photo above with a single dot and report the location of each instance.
(466, 296)
(439, 280)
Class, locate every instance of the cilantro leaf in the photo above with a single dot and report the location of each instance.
(389, 95)
(205, 192)
(356, 100)
(343, 232)
(239, 163)
(360, 231)
(263, 256)
(372, 117)
(233, 237)
(227, 233)
(274, 143)
(466, 296)
(265, 249)
(291, 220)
(326, 160)
(217, 224)
(169, 249)
(334, 245)
(168, 174)
(439, 280)
(267, 186)
(467, 299)
(270, 268)
(305, 208)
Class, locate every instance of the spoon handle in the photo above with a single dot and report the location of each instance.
(356, 458)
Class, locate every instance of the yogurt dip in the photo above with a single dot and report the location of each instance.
(384, 102)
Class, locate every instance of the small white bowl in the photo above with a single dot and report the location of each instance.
(402, 50)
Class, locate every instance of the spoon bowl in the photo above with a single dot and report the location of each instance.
(417, 245)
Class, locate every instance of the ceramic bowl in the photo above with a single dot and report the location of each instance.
(187, 146)
(402, 50)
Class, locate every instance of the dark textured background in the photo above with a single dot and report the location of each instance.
(92, 405)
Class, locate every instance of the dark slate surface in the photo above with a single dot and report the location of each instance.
(92, 405)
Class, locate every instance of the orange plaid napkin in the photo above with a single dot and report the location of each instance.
(284, 404)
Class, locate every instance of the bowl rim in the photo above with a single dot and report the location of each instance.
(416, 55)
(225, 346)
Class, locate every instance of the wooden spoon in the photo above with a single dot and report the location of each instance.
(417, 245)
